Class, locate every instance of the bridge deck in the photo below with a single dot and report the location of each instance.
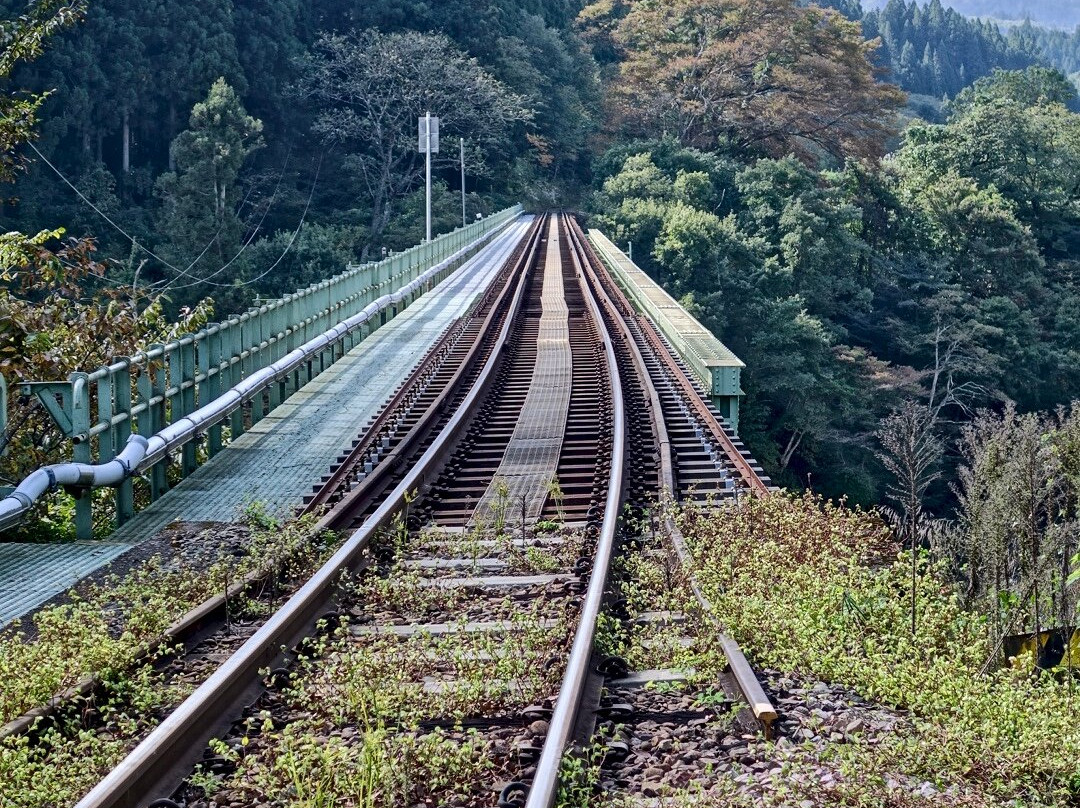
(283, 455)
(532, 456)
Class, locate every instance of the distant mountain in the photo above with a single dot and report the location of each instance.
(1057, 13)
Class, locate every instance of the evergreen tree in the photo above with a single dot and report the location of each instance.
(199, 215)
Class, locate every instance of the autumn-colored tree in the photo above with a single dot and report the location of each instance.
(771, 75)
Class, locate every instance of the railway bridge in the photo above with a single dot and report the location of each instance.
(492, 416)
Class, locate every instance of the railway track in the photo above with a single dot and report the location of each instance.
(481, 510)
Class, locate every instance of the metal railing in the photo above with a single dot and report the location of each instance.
(142, 394)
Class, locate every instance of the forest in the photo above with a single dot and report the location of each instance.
(1041, 12)
(870, 208)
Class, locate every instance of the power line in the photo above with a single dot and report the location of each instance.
(288, 246)
(102, 213)
(184, 272)
(135, 243)
(168, 286)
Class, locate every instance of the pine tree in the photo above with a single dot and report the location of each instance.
(200, 198)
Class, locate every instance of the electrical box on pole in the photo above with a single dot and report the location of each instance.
(428, 131)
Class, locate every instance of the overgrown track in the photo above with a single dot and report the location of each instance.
(155, 766)
(482, 511)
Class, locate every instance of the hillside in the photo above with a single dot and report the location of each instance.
(1042, 12)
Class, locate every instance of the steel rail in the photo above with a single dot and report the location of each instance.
(379, 474)
(689, 392)
(745, 679)
(197, 618)
(150, 770)
(545, 783)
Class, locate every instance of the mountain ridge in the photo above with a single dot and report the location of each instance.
(1042, 12)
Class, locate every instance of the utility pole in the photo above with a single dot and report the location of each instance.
(428, 144)
(462, 143)
(427, 152)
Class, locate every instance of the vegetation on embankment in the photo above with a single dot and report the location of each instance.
(819, 589)
(103, 631)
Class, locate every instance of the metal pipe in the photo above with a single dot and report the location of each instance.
(141, 453)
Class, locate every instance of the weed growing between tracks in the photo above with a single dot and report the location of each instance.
(383, 711)
(818, 589)
(308, 765)
(467, 674)
(102, 632)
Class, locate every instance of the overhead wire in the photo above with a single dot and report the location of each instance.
(292, 239)
(170, 286)
(186, 271)
(220, 229)
(101, 213)
(135, 242)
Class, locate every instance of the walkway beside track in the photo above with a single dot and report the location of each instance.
(716, 367)
(279, 460)
(532, 456)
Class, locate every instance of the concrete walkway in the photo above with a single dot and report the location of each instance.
(279, 460)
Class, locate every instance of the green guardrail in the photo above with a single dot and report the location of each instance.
(99, 410)
(714, 365)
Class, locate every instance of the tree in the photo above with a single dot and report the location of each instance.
(1030, 87)
(910, 451)
(810, 229)
(52, 318)
(370, 88)
(767, 74)
(1017, 495)
(200, 199)
(21, 40)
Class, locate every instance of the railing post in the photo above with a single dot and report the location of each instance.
(252, 343)
(107, 447)
(211, 347)
(188, 462)
(236, 372)
(3, 414)
(159, 480)
(277, 341)
(125, 495)
(81, 453)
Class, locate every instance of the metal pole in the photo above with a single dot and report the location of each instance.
(427, 150)
(463, 222)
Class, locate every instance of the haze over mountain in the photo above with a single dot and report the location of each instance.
(1044, 12)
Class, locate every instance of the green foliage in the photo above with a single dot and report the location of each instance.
(56, 317)
(21, 40)
(200, 198)
(771, 256)
(102, 628)
(812, 587)
(933, 49)
(109, 125)
(945, 273)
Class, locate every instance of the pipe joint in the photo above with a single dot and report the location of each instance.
(25, 501)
